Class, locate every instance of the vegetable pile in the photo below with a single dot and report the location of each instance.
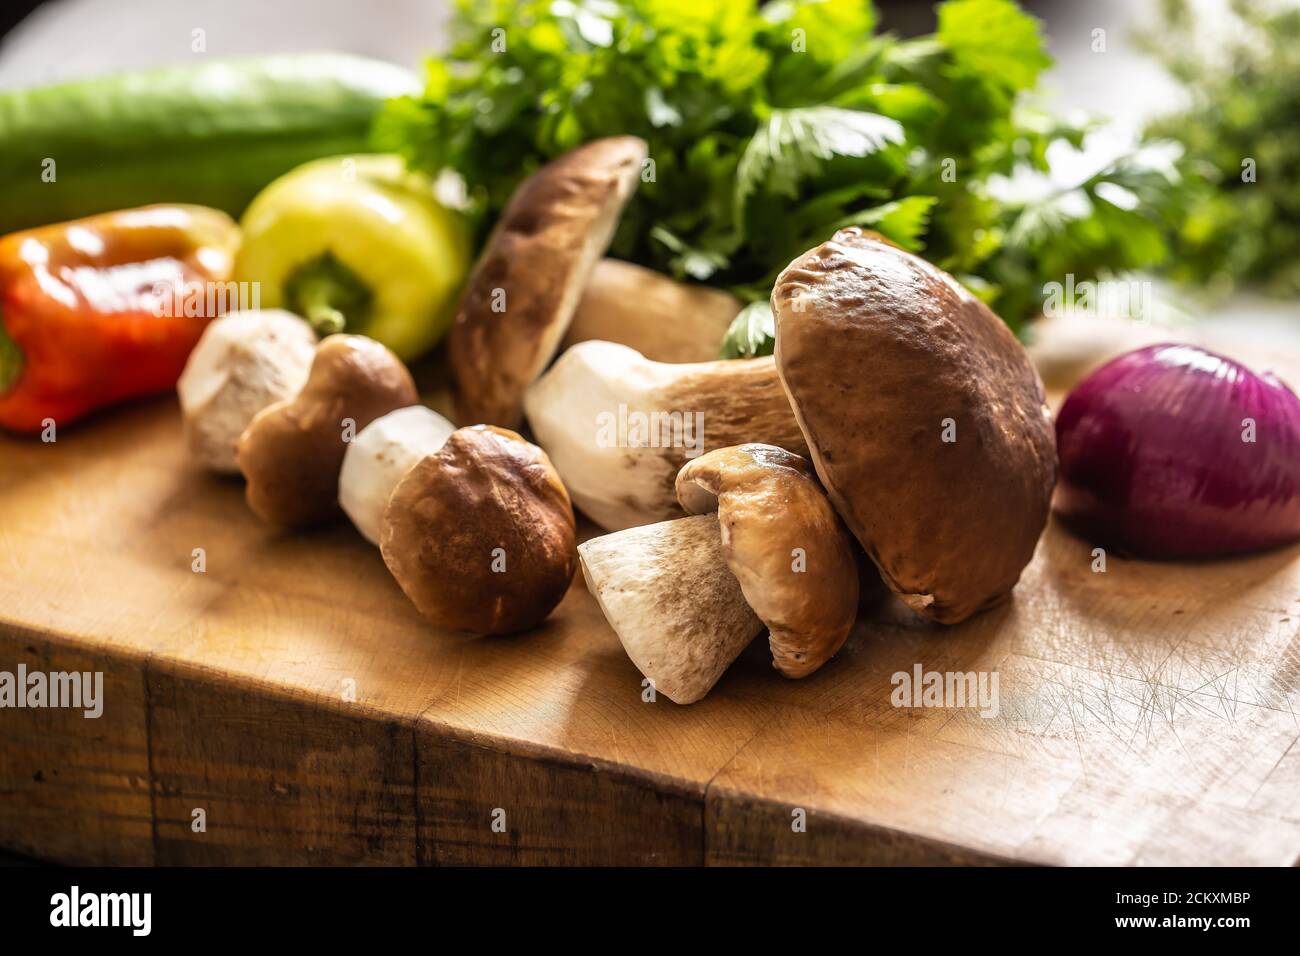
(771, 127)
(770, 166)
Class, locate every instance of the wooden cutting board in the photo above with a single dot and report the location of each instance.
(290, 699)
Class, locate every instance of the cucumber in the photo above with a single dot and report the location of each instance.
(212, 133)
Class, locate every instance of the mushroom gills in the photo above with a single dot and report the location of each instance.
(667, 592)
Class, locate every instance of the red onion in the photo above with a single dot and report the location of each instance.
(1155, 460)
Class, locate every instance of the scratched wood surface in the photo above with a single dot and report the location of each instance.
(292, 695)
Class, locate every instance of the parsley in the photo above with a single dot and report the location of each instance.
(770, 126)
(1237, 219)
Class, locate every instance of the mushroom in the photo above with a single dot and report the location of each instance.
(292, 451)
(524, 288)
(784, 543)
(480, 535)
(378, 458)
(685, 596)
(925, 420)
(619, 427)
(663, 319)
(244, 362)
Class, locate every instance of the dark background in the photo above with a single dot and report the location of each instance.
(13, 11)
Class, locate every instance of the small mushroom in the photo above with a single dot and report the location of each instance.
(924, 417)
(784, 543)
(663, 319)
(619, 427)
(685, 596)
(244, 362)
(527, 283)
(380, 456)
(666, 591)
(481, 534)
(292, 451)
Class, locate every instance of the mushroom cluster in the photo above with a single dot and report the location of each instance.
(930, 437)
(474, 524)
(898, 437)
(762, 548)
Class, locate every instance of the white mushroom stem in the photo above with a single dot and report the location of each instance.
(379, 457)
(245, 362)
(666, 591)
(619, 427)
(663, 319)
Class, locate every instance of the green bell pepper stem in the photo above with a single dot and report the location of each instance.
(329, 295)
(11, 360)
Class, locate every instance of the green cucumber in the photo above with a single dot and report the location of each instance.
(212, 133)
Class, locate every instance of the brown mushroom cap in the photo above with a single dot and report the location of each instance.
(481, 534)
(292, 451)
(526, 285)
(877, 350)
(784, 543)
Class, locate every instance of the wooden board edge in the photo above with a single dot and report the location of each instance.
(743, 829)
(77, 789)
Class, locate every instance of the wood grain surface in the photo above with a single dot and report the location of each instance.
(292, 695)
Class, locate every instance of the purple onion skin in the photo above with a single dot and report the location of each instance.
(1153, 463)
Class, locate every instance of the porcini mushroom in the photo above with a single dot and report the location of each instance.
(292, 451)
(619, 427)
(244, 362)
(380, 456)
(685, 596)
(480, 535)
(666, 591)
(784, 543)
(925, 420)
(525, 286)
(663, 319)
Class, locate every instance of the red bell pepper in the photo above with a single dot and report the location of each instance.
(107, 308)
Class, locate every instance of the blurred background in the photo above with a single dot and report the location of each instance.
(58, 39)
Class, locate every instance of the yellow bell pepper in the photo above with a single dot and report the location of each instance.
(361, 244)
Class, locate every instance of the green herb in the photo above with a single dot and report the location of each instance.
(1238, 219)
(751, 333)
(772, 126)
